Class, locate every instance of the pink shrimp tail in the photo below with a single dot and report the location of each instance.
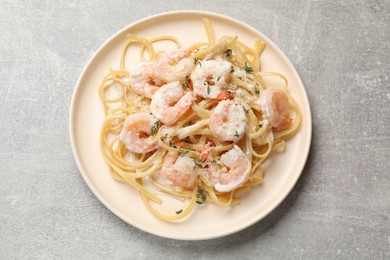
(286, 122)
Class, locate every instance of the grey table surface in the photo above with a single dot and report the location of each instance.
(340, 207)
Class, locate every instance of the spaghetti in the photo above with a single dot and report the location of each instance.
(209, 143)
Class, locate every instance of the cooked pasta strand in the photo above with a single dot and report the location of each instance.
(193, 157)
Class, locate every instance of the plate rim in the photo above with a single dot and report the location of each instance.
(101, 198)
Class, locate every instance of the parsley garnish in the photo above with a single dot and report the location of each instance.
(215, 162)
(224, 89)
(228, 52)
(236, 134)
(206, 166)
(201, 197)
(208, 88)
(257, 91)
(155, 127)
(219, 77)
(196, 61)
(183, 152)
(232, 70)
(185, 84)
(171, 144)
(179, 211)
(198, 162)
(247, 68)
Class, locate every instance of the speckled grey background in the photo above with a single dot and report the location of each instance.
(340, 207)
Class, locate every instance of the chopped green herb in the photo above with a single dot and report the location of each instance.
(201, 196)
(179, 211)
(232, 70)
(171, 144)
(196, 61)
(215, 162)
(257, 91)
(247, 68)
(236, 134)
(185, 84)
(206, 166)
(198, 162)
(219, 77)
(155, 127)
(183, 152)
(228, 52)
(224, 89)
(208, 88)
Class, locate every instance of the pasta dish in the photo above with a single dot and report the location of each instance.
(194, 124)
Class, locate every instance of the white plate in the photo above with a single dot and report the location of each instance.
(208, 221)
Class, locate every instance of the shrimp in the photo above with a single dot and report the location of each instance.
(274, 105)
(174, 65)
(170, 102)
(210, 79)
(143, 79)
(178, 171)
(231, 173)
(136, 133)
(228, 121)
